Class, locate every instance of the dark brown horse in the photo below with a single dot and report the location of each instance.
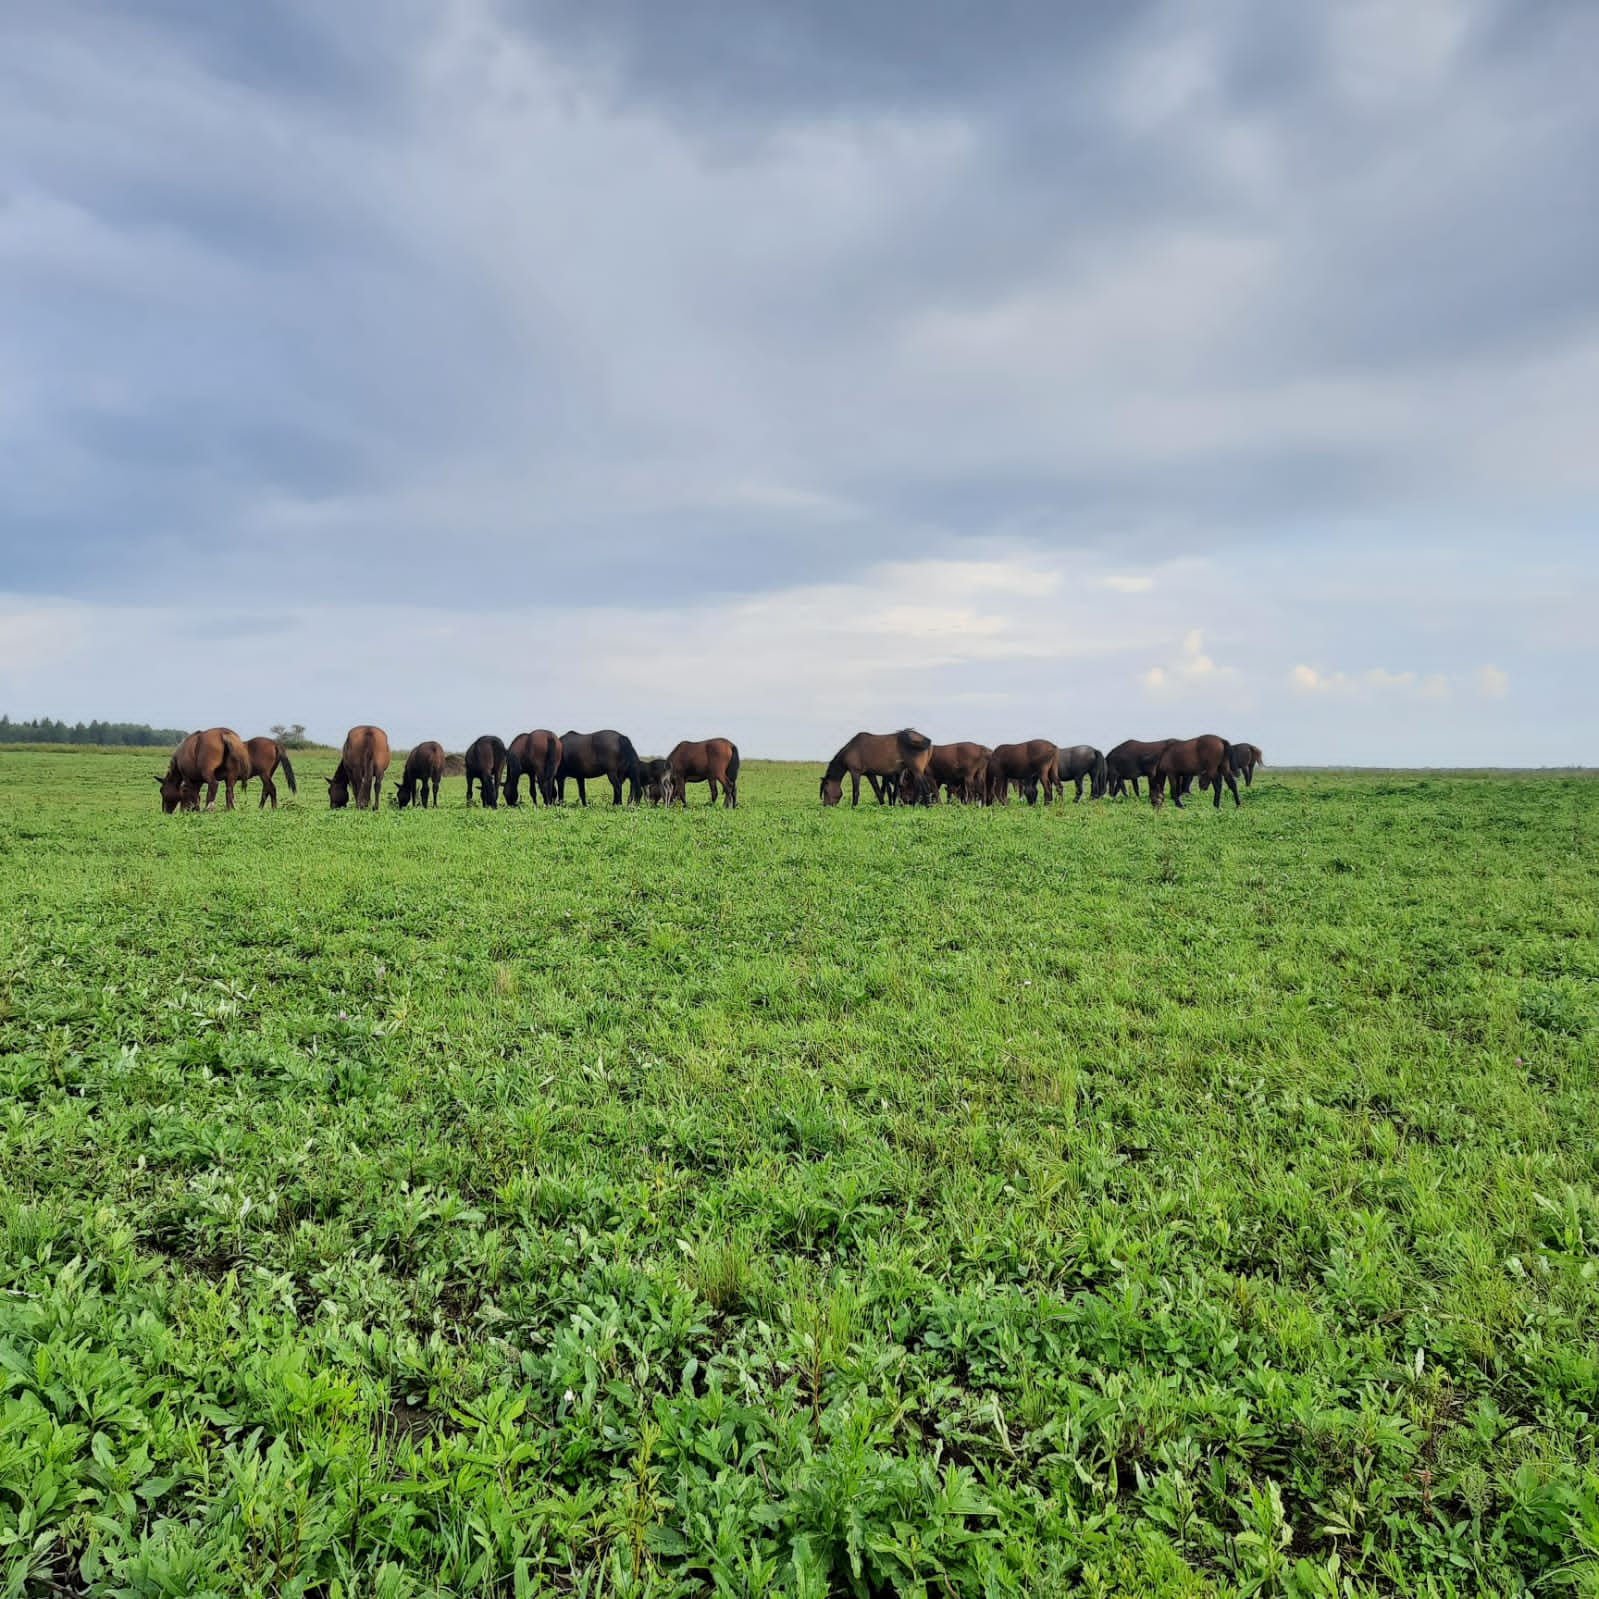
(1204, 757)
(1244, 758)
(1132, 759)
(203, 760)
(961, 770)
(538, 754)
(362, 763)
(1031, 766)
(424, 766)
(711, 761)
(485, 763)
(266, 756)
(607, 754)
(877, 757)
(655, 777)
(1078, 762)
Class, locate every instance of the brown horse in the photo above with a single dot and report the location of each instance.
(539, 755)
(1031, 766)
(711, 761)
(424, 765)
(266, 756)
(203, 760)
(362, 763)
(876, 756)
(1204, 757)
(1244, 758)
(1132, 759)
(961, 770)
(485, 761)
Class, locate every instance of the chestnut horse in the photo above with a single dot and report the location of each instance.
(266, 756)
(485, 760)
(1204, 757)
(961, 770)
(607, 754)
(362, 763)
(711, 761)
(1026, 765)
(203, 760)
(1080, 761)
(539, 755)
(1132, 759)
(424, 765)
(876, 756)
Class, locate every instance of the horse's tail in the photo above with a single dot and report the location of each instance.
(288, 769)
(630, 768)
(513, 774)
(550, 764)
(1101, 776)
(732, 763)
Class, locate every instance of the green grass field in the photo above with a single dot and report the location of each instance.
(799, 1202)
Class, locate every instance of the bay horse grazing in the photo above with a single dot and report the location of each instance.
(1244, 758)
(607, 754)
(266, 756)
(362, 763)
(538, 754)
(1132, 759)
(1030, 765)
(424, 765)
(655, 776)
(880, 758)
(711, 761)
(1204, 757)
(1078, 762)
(961, 769)
(203, 760)
(485, 760)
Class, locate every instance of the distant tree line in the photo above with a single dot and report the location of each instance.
(47, 731)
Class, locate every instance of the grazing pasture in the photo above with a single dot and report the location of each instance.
(783, 1200)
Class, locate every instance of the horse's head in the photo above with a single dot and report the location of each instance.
(172, 793)
(402, 795)
(832, 790)
(338, 791)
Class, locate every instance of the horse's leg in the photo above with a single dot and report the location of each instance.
(1232, 783)
(854, 789)
(616, 789)
(582, 791)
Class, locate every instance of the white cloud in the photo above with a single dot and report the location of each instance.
(1492, 682)
(1125, 584)
(1192, 671)
(1375, 682)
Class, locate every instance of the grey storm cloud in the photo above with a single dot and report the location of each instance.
(561, 297)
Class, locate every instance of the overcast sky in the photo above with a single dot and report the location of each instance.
(777, 368)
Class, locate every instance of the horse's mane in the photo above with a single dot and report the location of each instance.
(836, 767)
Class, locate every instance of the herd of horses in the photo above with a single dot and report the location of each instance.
(219, 758)
(908, 768)
(905, 768)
